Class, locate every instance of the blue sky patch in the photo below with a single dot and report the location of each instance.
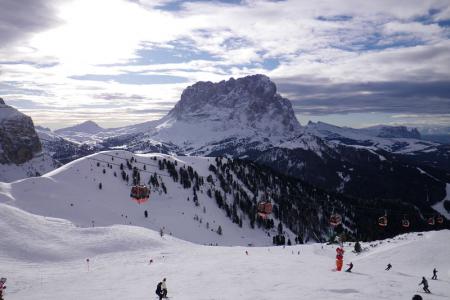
(179, 52)
(134, 78)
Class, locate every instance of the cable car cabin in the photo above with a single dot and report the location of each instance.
(335, 219)
(439, 219)
(264, 209)
(430, 221)
(383, 221)
(140, 193)
(405, 223)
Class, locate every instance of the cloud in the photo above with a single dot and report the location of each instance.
(393, 97)
(326, 56)
(21, 18)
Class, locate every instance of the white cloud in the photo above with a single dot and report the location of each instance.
(321, 41)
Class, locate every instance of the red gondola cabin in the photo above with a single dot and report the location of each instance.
(140, 193)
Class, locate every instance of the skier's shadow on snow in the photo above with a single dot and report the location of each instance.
(357, 273)
(404, 274)
(343, 291)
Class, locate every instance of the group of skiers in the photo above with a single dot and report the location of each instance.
(424, 281)
(340, 260)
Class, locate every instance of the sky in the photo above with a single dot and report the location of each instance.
(120, 62)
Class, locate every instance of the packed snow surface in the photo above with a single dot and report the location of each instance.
(45, 258)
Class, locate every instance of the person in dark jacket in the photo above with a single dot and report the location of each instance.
(350, 267)
(434, 274)
(389, 266)
(425, 285)
(161, 289)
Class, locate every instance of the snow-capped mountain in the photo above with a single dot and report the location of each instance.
(210, 116)
(395, 139)
(246, 118)
(85, 127)
(62, 148)
(20, 148)
(395, 132)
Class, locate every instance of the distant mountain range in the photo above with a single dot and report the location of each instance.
(246, 118)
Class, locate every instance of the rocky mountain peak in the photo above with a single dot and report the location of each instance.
(84, 127)
(19, 141)
(399, 132)
(250, 102)
(385, 131)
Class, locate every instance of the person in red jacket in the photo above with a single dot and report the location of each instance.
(339, 258)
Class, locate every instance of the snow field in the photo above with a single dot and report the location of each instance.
(46, 259)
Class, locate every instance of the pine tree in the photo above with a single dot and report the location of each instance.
(358, 248)
(280, 228)
(219, 230)
(100, 186)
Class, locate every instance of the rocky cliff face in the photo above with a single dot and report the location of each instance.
(18, 139)
(395, 132)
(250, 102)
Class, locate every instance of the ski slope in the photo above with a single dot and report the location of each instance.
(45, 258)
(72, 192)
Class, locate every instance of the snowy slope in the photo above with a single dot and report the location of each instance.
(46, 259)
(40, 164)
(72, 192)
(439, 207)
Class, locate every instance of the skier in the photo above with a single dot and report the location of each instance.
(434, 274)
(350, 267)
(339, 258)
(2, 287)
(161, 289)
(146, 213)
(246, 252)
(389, 266)
(425, 285)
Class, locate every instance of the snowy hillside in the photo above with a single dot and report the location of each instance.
(40, 164)
(73, 192)
(45, 258)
